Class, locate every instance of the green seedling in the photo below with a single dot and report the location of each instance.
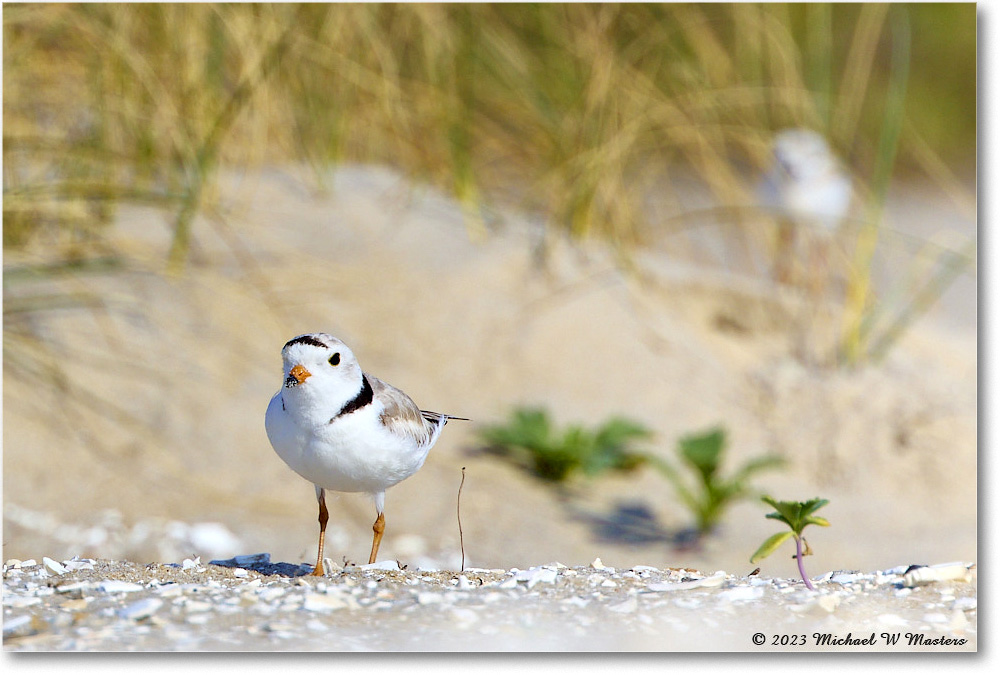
(531, 441)
(713, 494)
(797, 515)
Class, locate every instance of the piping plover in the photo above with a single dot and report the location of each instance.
(812, 193)
(345, 430)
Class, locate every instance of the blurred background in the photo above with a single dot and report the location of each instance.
(586, 227)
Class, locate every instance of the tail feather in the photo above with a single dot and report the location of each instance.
(440, 418)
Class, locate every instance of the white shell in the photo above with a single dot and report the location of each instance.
(140, 609)
(55, 567)
(928, 575)
(716, 579)
(114, 586)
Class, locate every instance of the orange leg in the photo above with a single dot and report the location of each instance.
(324, 516)
(378, 528)
(784, 254)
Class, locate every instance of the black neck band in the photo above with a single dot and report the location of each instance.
(363, 398)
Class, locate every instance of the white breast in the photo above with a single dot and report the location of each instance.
(355, 453)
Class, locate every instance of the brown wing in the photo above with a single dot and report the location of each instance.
(400, 414)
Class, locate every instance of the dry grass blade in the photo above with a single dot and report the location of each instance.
(859, 285)
(578, 113)
(930, 287)
(461, 537)
(209, 147)
(857, 72)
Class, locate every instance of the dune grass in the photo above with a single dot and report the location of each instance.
(573, 112)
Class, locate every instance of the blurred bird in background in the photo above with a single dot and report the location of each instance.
(810, 192)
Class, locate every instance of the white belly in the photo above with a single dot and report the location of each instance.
(357, 454)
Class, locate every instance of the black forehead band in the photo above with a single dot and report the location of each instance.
(305, 340)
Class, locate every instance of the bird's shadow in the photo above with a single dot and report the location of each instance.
(628, 523)
(261, 563)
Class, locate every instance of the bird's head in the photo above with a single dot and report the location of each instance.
(319, 371)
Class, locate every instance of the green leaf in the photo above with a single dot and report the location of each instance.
(618, 432)
(770, 545)
(788, 511)
(769, 500)
(757, 465)
(553, 466)
(531, 441)
(674, 476)
(704, 452)
(797, 514)
(817, 520)
(813, 505)
(777, 516)
(528, 428)
(611, 446)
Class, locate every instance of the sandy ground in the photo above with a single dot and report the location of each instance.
(153, 448)
(100, 605)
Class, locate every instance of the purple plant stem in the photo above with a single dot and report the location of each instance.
(798, 559)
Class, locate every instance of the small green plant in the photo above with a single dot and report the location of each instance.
(797, 515)
(531, 441)
(712, 495)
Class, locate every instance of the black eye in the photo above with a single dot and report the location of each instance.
(335, 359)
